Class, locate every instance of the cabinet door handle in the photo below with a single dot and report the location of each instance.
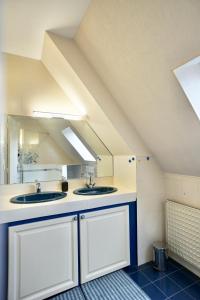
(75, 218)
(82, 217)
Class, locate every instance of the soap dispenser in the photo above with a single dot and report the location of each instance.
(64, 184)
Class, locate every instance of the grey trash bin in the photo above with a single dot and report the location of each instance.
(160, 256)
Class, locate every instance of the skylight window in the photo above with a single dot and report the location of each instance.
(188, 76)
(78, 145)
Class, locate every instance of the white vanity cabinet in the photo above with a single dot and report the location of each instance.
(104, 242)
(44, 255)
(43, 258)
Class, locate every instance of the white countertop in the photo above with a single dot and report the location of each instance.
(11, 212)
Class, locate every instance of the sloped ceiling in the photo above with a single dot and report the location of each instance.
(134, 45)
(25, 23)
(29, 87)
(83, 87)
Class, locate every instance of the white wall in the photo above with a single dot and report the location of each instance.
(183, 189)
(146, 178)
(125, 171)
(151, 198)
(134, 46)
(30, 87)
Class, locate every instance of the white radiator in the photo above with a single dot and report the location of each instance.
(183, 232)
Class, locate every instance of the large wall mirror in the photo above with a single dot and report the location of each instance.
(45, 149)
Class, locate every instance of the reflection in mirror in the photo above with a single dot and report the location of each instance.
(46, 149)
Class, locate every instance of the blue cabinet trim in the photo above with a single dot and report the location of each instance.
(3, 261)
(132, 221)
(133, 236)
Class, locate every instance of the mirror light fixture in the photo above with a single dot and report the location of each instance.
(49, 115)
(78, 144)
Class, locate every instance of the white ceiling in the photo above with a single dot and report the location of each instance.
(25, 22)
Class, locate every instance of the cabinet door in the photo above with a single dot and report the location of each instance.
(104, 237)
(43, 258)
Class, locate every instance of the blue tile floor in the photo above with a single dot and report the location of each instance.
(177, 283)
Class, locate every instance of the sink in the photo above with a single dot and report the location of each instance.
(97, 190)
(38, 197)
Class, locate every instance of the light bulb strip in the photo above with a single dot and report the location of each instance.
(49, 115)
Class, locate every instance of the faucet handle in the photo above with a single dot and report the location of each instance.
(38, 186)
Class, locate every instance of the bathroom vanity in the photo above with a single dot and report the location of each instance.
(49, 247)
(58, 245)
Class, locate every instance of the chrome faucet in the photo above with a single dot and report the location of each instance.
(38, 186)
(91, 183)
